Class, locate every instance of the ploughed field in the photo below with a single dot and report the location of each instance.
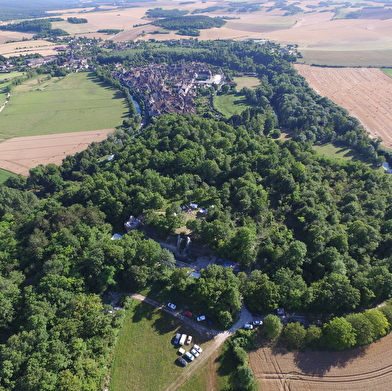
(19, 154)
(367, 368)
(364, 92)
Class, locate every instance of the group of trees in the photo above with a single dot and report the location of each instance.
(161, 13)
(192, 21)
(43, 27)
(316, 232)
(318, 229)
(75, 20)
(339, 333)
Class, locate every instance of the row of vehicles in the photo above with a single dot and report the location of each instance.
(189, 356)
(188, 313)
(252, 325)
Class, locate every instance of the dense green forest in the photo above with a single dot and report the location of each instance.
(43, 27)
(192, 21)
(161, 13)
(310, 233)
(75, 20)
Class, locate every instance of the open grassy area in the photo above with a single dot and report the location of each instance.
(10, 75)
(387, 71)
(75, 103)
(230, 104)
(332, 151)
(197, 382)
(5, 175)
(144, 358)
(246, 81)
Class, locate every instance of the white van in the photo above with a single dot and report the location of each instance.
(182, 339)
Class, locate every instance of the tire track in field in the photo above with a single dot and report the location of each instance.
(299, 376)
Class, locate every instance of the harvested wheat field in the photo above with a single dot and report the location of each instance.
(20, 154)
(366, 93)
(367, 368)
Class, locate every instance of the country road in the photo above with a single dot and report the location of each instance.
(218, 338)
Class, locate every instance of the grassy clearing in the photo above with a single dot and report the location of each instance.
(387, 71)
(196, 382)
(4, 175)
(332, 151)
(10, 75)
(250, 82)
(230, 104)
(226, 368)
(75, 103)
(144, 358)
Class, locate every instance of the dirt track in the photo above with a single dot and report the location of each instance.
(210, 350)
(20, 154)
(368, 368)
(364, 92)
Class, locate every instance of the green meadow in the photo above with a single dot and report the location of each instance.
(230, 104)
(75, 103)
(5, 175)
(144, 357)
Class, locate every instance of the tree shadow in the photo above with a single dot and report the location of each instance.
(118, 95)
(142, 311)
(318, 363)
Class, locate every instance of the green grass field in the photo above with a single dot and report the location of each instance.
(5, 175)
(387, 71)
(330, 150)
(10, 75)
(75, 103)
(230, 104)
(250, 82)
(144, 357)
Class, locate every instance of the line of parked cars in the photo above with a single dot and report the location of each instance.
(200, 318)
(252, 325)
(187, 357)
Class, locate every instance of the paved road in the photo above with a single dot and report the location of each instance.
(218, 338)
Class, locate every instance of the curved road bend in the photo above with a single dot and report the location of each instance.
(218, 338)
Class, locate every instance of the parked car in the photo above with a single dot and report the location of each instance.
(195, 352)
(257, 323)
(200, 318)
(176, 339)
(198, 348)
(182, 339)
(280, 311)
(256, 315)
(189, 357)
(181, 351)
(248, 326)
(172, 306)
(183, 362)
(188, 313)
(189, 339)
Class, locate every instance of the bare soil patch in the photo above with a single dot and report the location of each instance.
(364, 92)
(19, 154)
(368, 368)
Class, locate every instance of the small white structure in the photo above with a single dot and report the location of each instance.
(386, 168)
